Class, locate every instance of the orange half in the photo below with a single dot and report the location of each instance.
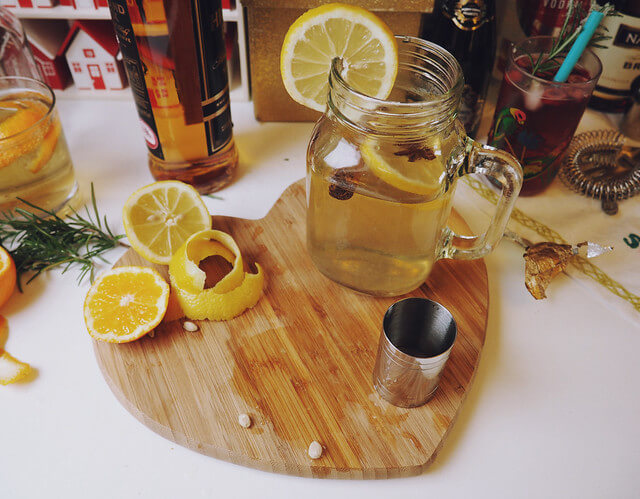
(125, 303)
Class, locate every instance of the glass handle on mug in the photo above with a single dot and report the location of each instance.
(505, 170)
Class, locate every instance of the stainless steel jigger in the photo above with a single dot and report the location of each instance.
(416, 340)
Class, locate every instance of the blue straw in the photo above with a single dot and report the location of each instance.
(578, 46)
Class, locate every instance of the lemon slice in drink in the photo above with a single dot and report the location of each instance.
(161, 216)
(364, 43)
(416, 171)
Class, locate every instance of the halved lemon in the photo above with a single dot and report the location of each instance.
(161, 216)
(125, 303)
(364, 43)
(418, 172)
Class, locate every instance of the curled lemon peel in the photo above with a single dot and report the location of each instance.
(232, 295)
(12, 369)
(184, 269)
(225, 306)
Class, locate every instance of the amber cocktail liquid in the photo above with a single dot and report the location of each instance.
(35, 164)
(381, 176)
(367, 234)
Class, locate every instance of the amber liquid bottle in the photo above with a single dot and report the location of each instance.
(174, 55)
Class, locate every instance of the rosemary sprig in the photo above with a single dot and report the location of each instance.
(573, 22)
(39, 240)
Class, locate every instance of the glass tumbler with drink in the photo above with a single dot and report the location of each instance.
(535, 117)
(35, 164)
(381, 176)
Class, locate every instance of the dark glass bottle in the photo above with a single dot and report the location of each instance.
(467, 29)
(620, 59)
(174, 55)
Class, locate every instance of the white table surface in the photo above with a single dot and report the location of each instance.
(553, 412)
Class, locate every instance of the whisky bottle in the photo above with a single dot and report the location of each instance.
(174, 55)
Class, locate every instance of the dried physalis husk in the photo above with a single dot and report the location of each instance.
(543, 261)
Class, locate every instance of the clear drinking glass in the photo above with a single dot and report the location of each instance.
(535, 117)
(35, 164)
(381, 176)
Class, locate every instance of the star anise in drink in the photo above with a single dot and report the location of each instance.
(415, 152)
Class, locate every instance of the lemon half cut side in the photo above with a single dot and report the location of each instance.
(161, 216)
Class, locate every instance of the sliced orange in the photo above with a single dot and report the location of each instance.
(27, 115)
(47, 147)
(7, 276)
(174, 310)
(22, 119)
(125, 303)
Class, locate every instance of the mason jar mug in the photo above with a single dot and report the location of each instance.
(381, 176)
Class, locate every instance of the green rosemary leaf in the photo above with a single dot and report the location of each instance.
(571, 28)
(40, 240)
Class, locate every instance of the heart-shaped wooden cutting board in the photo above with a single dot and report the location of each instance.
(299, 364)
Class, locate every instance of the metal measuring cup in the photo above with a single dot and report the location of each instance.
(416, 340)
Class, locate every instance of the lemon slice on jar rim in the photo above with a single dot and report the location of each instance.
(364, 43)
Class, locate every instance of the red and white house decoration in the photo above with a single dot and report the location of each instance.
(46, 38)
(94, 57)
(29, 4)
(85, 4)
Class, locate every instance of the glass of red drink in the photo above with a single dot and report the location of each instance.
(535, 117)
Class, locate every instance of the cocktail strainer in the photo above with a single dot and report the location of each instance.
(600, 165)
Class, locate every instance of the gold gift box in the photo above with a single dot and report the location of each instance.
(268, 22)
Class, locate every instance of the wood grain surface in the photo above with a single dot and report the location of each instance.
(299, 363)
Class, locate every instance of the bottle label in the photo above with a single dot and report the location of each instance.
(546, 17)
(621, 59)
(628, 37)
(183, 101)
(467, 15)
(212, 68)
(135, 73)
